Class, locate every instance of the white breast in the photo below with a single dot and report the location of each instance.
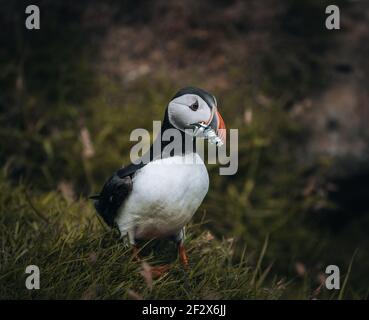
(166, 193)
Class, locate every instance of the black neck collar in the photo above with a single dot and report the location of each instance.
(157, 149)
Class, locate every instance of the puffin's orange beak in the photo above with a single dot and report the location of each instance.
(220, 127)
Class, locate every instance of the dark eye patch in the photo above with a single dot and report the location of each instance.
(194, 106)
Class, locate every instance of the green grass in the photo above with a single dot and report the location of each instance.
(80, 259)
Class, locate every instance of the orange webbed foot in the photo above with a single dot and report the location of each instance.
(158, 271)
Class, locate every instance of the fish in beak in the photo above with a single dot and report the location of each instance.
(214, 130)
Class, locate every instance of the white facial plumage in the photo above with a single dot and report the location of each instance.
(186, 110)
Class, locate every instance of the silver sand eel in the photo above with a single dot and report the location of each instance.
(205, 131)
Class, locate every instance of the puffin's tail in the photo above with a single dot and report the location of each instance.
(97, 203)
(94, 197)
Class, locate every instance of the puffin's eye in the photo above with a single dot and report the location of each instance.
(194, 106)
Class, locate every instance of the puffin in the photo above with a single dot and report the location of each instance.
(158, 194)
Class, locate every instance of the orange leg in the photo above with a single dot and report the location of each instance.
(183, 255)
(156, 271)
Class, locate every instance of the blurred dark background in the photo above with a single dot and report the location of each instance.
(71, 93)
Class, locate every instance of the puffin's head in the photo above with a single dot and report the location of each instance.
(196, 109)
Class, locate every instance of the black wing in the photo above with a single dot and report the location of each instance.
(114, 192)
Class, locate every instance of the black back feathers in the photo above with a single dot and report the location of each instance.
(112, 196)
